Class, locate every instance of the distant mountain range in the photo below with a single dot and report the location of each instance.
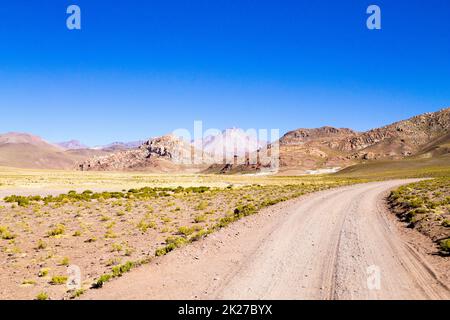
(77, 145)
(72, 145)
(116, 146)
(300, 150)
(24, 150)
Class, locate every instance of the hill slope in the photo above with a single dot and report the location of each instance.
(24, 150)
(426, 134)
(163, 154)
(421, 137)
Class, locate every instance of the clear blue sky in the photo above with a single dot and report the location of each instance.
(144, 68)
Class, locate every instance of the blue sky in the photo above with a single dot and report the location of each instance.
(144, 68)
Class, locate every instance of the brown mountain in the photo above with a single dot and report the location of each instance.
(426, 135)
(24, 150)
(422, 136)
(330, 147)
(163, 154)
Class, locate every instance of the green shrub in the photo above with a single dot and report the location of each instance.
(200, 234)
(128, 252)
(102, 280)
(20, 200)
(415, 203)
(59, 229)
(117, 271)
(57, 280)
(202, 205)
(104, 218)
(28, 282)
(186, 231)
(243, 211)
(164, 250)
(43, 272)
(109, 234)
(5, 234)
(445, 245)
(42, 296)
(200, 218)
(116, 247)
(64, 261)
(225, 221)
(144, 225)
(178, 241)
(77, 293)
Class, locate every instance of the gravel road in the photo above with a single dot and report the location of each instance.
(335, 244)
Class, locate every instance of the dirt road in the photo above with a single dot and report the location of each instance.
(336, 244)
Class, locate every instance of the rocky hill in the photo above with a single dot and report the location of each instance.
(159, 154)
(331, 147)
(422, 136)
(299, 150)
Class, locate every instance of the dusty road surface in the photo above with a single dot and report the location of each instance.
(336, 244)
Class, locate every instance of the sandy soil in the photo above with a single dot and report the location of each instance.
(328, 245)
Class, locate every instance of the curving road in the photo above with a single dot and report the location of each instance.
(336, 244)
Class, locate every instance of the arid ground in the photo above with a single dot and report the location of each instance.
(322, 246)
(232, 236)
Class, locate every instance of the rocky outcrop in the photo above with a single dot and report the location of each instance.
(300, 136)
(313, 148)
(170, 148)
(305, 149)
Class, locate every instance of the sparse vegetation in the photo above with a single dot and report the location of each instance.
(117, 271)
(43, 272)
(445, 245)
(5, 234)
(41, 245)
(65, 261)
(186, 231)
(42, 296)
(200, 218)
(48, 229)
(28, 282)
(425, 205)
(58, 230)
(57, 280)
(77, 293)
(202, 205)
(102, 280)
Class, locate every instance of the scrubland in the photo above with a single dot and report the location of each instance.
(107, 233)
(425, 206)
(107, 223)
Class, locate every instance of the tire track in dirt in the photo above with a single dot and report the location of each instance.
(320, 246)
